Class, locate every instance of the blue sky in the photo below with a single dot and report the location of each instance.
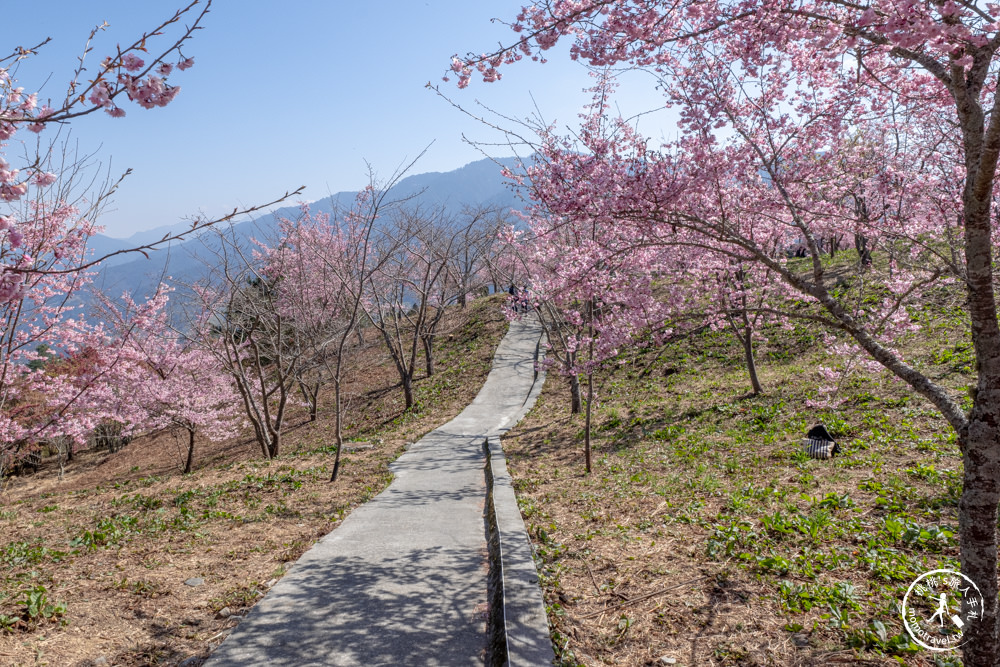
(300, 92)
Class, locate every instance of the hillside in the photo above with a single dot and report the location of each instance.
(125, 561)
(706, 535)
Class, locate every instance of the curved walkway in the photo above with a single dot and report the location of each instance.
(402, 581)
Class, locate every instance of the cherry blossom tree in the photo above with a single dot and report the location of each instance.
(239, 319)
(402, 293)
(325, 287)
(165, 381)
(790, 115)
(460, 245)
(311, 294)
(429, 260)
(46, 224)
(593, 292)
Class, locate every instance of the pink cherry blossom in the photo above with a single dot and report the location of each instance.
(132, 63)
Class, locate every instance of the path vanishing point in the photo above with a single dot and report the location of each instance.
(403, 579)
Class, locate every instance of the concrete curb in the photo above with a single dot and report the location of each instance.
(520, 633)
(519, 630)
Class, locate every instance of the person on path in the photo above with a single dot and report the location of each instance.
(513, 297)
(525, 299)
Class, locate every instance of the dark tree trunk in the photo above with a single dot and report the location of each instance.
(428, 354)
(190, 457)
(980, 439)
(576, 402)
(587, 421)
(743, 330)
(338, 433)
(980, 442)
(977, 521)
(273, 443)
(336, 463)
(408, 390)
(590, 384)
(310, 392)
(751, 363)
(861, 245)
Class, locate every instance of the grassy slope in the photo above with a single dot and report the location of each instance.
(116, 539)
(705, 534)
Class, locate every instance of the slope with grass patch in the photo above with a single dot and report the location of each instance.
(705, 534)
(126, 559)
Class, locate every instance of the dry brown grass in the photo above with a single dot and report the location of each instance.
(236, 522)
(663, 550)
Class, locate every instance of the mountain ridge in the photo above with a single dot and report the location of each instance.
(474, 184)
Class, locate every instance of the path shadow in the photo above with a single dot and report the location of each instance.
(417, 609)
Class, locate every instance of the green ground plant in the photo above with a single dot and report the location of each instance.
(694, 477)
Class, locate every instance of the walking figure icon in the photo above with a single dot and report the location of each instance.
(941, 610)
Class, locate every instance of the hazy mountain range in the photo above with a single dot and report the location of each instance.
(477, 183)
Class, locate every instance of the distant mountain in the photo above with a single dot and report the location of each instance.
(157, 233)
(102, 245)
(477, 183)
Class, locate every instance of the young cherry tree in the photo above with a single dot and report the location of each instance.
(310, 295)
(460, 245)
(43, 238)
(324, 288)
(165, 382)
(240, 320)
(773, 97)
(476, 230)
(593, 291)
(402, 295)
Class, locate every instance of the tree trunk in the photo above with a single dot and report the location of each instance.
(311, 394)
(274, 443)
(744, 333)
(337, 433)
(263, 440)
(861, 245)
(586, 428)
(428, 355)
(408, 390)
(977, 521)
(980, 439)
(751, 363)
(190, 456)
(576, 403)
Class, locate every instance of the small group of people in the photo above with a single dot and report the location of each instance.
(520, 299)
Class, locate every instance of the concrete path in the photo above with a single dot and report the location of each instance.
(402, 581)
